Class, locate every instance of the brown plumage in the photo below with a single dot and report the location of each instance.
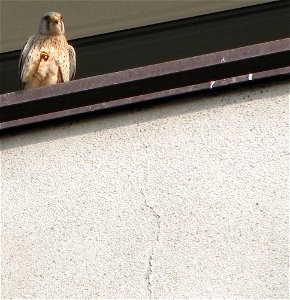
(47, 58)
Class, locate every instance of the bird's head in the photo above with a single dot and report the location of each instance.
(51, 24)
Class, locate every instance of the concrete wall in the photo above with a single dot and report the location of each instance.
(181, 200)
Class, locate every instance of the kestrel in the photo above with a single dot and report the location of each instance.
(46, 58)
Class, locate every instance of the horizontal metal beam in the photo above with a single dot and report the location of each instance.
(144, 84)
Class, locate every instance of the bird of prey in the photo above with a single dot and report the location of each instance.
(46, 58)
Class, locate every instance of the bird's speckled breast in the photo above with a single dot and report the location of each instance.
(58, 42)
(58, 55)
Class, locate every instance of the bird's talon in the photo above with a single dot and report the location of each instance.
(44, 55)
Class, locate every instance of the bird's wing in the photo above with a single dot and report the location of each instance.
(72, 62)
(25, 50)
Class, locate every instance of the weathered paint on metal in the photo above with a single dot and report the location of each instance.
(147, 83)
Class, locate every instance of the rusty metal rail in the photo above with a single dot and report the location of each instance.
(173, 78)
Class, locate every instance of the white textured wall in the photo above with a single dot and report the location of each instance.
(180, 200)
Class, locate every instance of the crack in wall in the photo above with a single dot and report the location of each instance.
(156, 216)
(153, 251)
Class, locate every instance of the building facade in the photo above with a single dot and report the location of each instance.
(178, 189)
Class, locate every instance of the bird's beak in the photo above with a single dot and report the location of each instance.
(54, 20)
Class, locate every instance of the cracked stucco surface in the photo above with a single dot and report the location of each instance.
(181, 200)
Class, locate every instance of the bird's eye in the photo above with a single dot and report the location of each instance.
(60, 17)
(46, 18)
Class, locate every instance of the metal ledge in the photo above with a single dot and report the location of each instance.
(159, 43)
(145, 84)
